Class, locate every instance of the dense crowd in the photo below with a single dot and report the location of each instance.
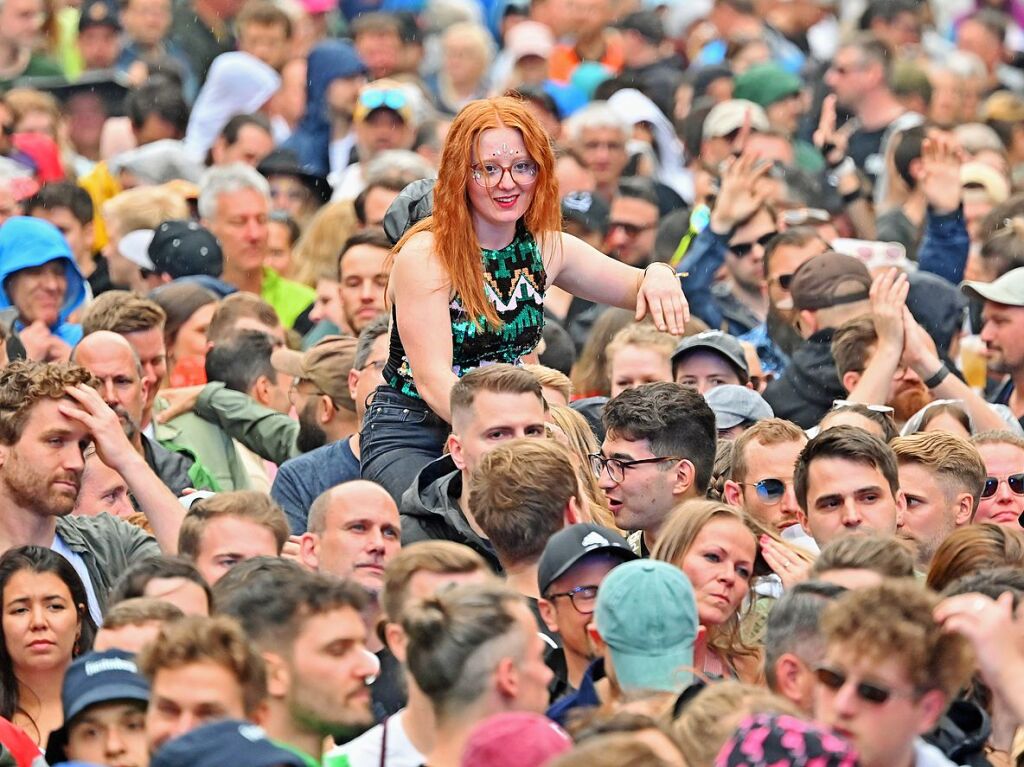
(470, 383)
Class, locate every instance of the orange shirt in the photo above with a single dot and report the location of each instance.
(565, 59)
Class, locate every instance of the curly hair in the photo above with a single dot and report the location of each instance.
(24, 383)
(894, 620)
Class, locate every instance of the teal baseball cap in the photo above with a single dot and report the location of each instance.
(765, 84)
(646, 613)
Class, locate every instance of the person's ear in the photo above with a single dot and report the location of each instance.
(801, 519)
(278, 678)
(353, 382)
(455, 450)
(932, 706)
(732, 492)
(788, 673)
(808, 322)
(901, 508)
(309, 550)
(596, 639)
(964, 509)
(850, 380)
(686, 476)
(573, 512)
(396, 640)
(261, 390)
(546, 609)
(4, 449)
(326, 409)
(506, 678)
(145, 388)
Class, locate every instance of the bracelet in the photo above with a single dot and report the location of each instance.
(939, 377)
(851, 197)
(662, 263)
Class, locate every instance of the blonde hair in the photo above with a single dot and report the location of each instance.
(550, 378)
(144, 207)
(316, 253)
(713, 715)
(21, 101)
(572, 429)
(644, 335)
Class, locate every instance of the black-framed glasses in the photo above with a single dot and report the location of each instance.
(834, 679)
(490, 174)
(583, 598)
(1015, 481)
(769, 490)
(631, 230)
(616, 467)
(743, 249)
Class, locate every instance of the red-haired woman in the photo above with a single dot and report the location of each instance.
(467, 285)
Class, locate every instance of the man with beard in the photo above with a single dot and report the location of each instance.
(302, 479)
(47, 415)
(777, 337)
(887, 358)
(319, 390)
(110, 358)
(310, 631)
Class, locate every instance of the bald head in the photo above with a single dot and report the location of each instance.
(109, 357)
(353, 532)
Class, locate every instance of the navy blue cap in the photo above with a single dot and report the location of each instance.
(96, 677)
(99, 13)
(183, 249)
(227, 743)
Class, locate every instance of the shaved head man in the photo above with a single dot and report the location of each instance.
(353, 532)
(109, 357)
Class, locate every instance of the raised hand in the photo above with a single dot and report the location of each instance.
(740, 195)
(830, 140)
(888, 300)
(941, 158)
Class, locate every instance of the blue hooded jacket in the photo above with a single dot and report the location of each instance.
(328, 61)
(27, 242)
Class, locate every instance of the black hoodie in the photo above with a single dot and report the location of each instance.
(430, 510)
(809, 385)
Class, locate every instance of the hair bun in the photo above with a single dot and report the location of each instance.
(425, 621)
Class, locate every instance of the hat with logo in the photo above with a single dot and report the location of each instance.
(96, 677)
(515, 739)
(646, 613)
(569, 545)
(586, 209)
(728, 116)
(733, 405)
(1007, 290)
(718, 342)
(99, 13)
(326, 364)
(226, 743)
(184, 249)
(829, 279)
(766, 84)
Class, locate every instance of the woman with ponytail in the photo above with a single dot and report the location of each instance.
(467, 284)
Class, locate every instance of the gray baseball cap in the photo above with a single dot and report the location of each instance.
(733, 405)
(1008, 289)
(716, 341)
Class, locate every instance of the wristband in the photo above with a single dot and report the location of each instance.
(851, 197)
(662, 263)
(939, 377)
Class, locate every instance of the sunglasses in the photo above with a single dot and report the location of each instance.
(1015, 481)
(769, 490)
(631, 230)
(834, 680)
(377, 98)
(743, 249)
(883, 409)
(784, 281)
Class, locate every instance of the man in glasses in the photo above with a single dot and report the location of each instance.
(889, 673)
(385, 117)
(943, 478)
(574, 563)
(847, 481)
(658, 451)
(633, 222)
(1002, 496)
(761, 482)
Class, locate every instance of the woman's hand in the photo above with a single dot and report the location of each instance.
(661, 296)
(790, 568)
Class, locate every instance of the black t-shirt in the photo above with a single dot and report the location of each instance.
(865, 148)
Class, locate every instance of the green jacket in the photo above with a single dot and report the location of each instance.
(210, 445)
(108, 545)
(289, 299)
(268, 433)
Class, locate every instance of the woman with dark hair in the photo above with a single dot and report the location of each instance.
(189, 308)
(468, 282)
(45, 625)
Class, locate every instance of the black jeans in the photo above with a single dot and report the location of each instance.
(400, 436)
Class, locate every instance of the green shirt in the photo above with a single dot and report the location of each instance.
(289, 299)
(309, 760)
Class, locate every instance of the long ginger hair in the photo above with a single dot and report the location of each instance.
(456, 243)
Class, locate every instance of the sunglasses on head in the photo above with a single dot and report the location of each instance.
(377, 98)
(743, 249)
(1015, 481)
(769, 490)
(834, 679)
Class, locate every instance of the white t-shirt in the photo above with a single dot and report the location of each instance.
(83, 572)
(365, 750)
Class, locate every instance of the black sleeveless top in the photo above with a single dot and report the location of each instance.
(514, 282)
